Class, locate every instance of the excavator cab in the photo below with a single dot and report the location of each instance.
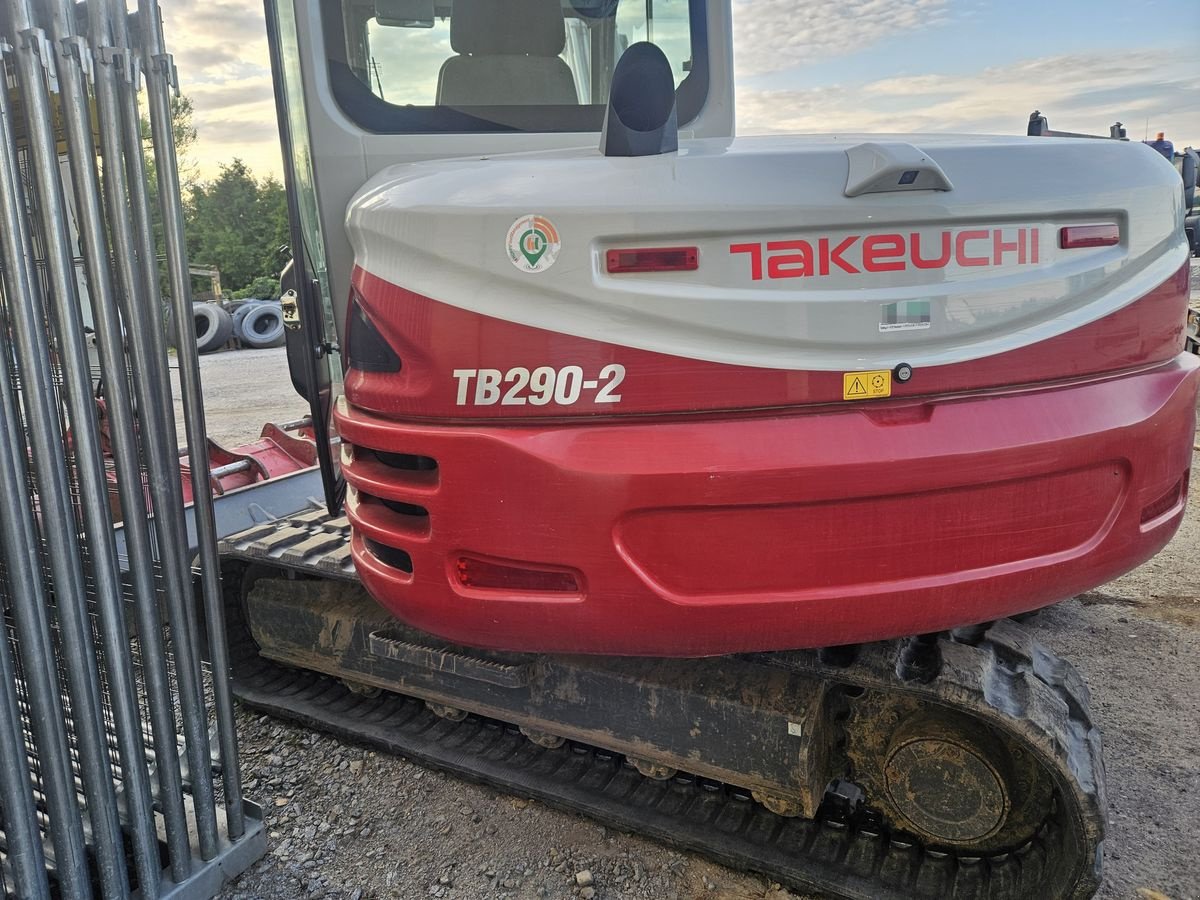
(361, 86)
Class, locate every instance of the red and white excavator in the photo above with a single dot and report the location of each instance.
(685, 480)
(689, 479)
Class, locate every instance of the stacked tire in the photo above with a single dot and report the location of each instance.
(214, 326)
(256, 324)
(259, 324)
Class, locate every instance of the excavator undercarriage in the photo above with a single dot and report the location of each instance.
(955, 765)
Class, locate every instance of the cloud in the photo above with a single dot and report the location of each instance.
(254, 125)
(1078, 92)
(213, 41)
(220, 49)
(776, 35)
(233, 93)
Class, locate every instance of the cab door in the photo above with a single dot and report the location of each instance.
(314, 357)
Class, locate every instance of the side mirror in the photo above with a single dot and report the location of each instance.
(405, 13)
(1189, 169)
(595, 9)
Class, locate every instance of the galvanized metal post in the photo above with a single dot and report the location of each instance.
(148, 348)
(161, 79)
(73, 64)
(18, 545)
(113, 65)
(156, 409)
(34, 55)
(81, 795)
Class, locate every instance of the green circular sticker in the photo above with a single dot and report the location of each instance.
(533, 243)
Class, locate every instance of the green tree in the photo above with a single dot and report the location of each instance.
(183, 129)
(273, 198)
(237, 223)
(264, 287)
(234, 222)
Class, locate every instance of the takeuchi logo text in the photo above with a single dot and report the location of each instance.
(894, 252)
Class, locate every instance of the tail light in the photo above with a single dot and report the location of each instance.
(366, 349)
(653, 259)
(483, 574)
(1074, 237)
(1168, 501)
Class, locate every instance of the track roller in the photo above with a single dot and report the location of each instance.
(449, 713)
(651, 769)
(543, 738)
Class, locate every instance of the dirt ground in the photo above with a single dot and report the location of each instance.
(242, 390)
(348, 823)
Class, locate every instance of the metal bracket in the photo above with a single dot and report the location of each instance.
(290, 302)
(75, 47)
(165, 63)
(118, 57)
(125, 61)
(35, 39)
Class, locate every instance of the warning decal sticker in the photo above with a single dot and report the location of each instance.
(866, 385)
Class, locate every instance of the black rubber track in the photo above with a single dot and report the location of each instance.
(1004, 678)
(688, 813)
(831, 855)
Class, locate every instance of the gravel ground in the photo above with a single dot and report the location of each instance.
(344, 822)
(242, 390)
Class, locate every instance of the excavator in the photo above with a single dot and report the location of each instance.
(687, 481)
(691, 481)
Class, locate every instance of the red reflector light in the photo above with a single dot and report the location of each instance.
(483, 574)
(654, 259)
(1072, 237)
(1167, 501)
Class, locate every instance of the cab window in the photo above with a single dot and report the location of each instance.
(501, 65)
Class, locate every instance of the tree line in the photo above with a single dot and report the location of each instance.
(236, 221)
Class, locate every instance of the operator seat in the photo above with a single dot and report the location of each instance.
(508, 54)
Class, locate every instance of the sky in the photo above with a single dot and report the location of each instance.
(978, 66)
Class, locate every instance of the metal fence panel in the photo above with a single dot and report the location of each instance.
(117, 746)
